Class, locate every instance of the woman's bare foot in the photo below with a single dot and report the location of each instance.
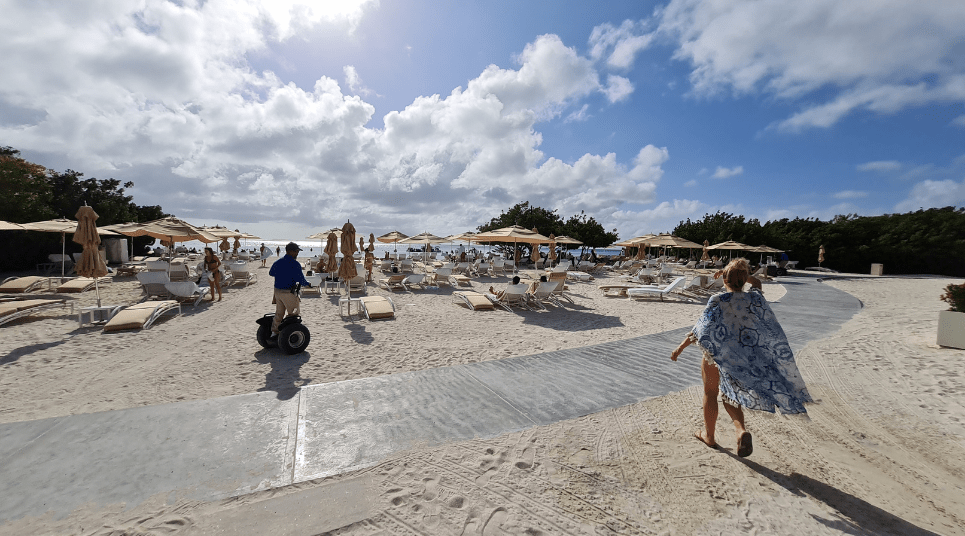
(699, 434)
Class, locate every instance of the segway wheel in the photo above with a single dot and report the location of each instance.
(264, 334)
(294, 339)
(781, 271)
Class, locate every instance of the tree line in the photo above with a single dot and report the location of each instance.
(580, 226)
(32, 192)
(928, 241)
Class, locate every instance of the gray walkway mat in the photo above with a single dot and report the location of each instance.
(206, 449)
(222, 447)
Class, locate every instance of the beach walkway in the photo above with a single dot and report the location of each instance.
(223, 447)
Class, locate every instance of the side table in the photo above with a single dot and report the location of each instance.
(97, 315)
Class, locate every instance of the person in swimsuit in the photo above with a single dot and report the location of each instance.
(212, 265)
(746, 358)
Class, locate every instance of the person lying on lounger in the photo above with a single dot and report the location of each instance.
(500, 293)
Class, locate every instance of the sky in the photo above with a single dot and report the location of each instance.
(285, 118)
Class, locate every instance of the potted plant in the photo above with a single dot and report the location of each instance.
(951, 323)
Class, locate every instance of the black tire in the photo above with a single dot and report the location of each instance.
(264, 332)
(294, 339)
(781, 271)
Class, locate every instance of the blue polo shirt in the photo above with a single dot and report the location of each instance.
(287, 271)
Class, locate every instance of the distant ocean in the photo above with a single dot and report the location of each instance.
(314, 247)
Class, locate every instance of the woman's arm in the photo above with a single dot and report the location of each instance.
(676, 353)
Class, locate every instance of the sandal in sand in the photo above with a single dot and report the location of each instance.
(701, 439)
(745, 446)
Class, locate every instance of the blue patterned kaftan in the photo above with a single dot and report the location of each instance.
(739, 332)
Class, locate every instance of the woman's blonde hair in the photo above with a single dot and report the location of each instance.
(736, 274)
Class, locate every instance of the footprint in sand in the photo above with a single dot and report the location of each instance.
(527, 457)
(492, 526)
(489, 465)
(397, 496)
(431, 490)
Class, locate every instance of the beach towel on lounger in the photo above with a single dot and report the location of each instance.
(135, 316)
(739, 331)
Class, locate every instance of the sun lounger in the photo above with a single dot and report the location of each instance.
(82, 284)
(473, 300)
(316, 281)
(441, 275)
(375, 307)
(414, 280)
(152, 284)
(356, 284)
(141, 315)
(513, 296)
(241, 273)
(187, 291)
(13, 309)
(459, 279)
(650, 292)
(620, 289)
(544, 294)
(578, 276)
(22, 285)
(394, 282)
(560, 279)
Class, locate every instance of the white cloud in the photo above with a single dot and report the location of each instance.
(162, 94)
(850, 194)
(959, 121)
(724, 173)
(933, 194)
(578, 115)
(691, 183)
(617, 88)
(354, 81)
(880, 166)
(881, 56)
(661, 218)
(620, 44)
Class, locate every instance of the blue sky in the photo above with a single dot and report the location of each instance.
(286, 118)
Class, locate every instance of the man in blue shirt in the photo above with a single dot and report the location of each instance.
(287, 272)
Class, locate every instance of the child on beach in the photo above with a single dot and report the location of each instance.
(746, 357)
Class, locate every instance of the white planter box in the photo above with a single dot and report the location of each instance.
(951, 329)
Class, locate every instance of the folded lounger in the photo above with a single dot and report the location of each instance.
(82, 284)
(377, 307)
(187, 292)
(141, 315)
(14, 309)
(21, 285)
(474, 300)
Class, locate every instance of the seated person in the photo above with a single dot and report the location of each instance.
(535, 284)
(500, 293)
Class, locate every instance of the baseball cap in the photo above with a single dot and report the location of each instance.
(292, 247)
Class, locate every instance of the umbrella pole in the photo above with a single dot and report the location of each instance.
(63, 253)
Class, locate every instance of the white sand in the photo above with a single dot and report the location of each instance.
(883, 453)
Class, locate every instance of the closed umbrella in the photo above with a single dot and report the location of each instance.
(331, 249)
(346, 269)
(704, 257)
(535, 255)
(237, 245)
(820, 255)
(91, 264)
(224, 246)
(552, 255)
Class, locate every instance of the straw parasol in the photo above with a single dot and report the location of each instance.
(820, 255)
(731, 245)
(535, 255)
(91, 264)
(346, 269)
(323, 235)
(331, 249)
(224, 246)
(425, 238)
(704, 257)
(62, 226)
(10, 226)
(514, 234)
(392, 238)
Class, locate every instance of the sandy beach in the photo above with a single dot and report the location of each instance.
(882, 453)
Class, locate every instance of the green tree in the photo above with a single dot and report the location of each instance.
(27, 192)
(589, 231)
(523, 214)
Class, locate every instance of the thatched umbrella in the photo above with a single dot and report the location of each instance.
(224, 246)
(331, 249)
(514, 234)
(535, 255)
(392, 238)
(91, 264)
(237, 245)
(820, 255)
(704, 257)
(346, 269)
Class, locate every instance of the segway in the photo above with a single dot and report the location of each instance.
(293, 336)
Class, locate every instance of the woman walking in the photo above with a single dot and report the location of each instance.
(212, 265)
(746, 358)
